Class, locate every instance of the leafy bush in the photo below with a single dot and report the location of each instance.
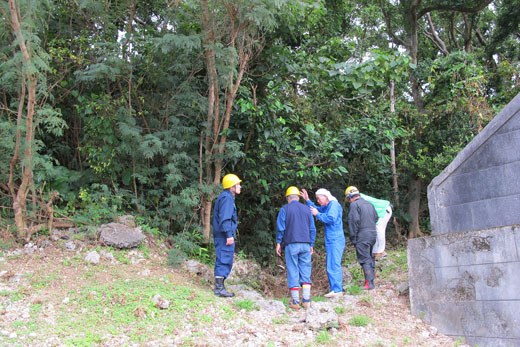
(190, 245)
(176, 257)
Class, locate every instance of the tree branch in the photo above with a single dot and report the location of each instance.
(390, 31)
(457, 8)
(436, 37)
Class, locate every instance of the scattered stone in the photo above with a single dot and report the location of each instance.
(15, 278)
(64, 237)
(347, 276)
(107, 255)
(44, 243)
(30, 248)
(241, 292)
(271, 307)
(120, 236)
(244, 271)
(66, 300)
(199, 269)
(349, 299)
(321, 315)
(160, 302)
(145, 272)
(92, 257)
(14, 253)
(403, 288)
(12, 335)
(70, 245)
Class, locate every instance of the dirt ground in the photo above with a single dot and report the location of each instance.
(51, 274)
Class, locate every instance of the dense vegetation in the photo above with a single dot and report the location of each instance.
(126, 106)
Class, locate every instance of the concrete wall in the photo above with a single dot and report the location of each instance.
(467, 284)
(481, 187)
(465, 279)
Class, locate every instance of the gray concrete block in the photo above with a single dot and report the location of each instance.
(512, 125)
(481, 187)
(466, 284)
(492, 342)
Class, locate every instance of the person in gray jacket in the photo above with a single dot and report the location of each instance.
(362, 219)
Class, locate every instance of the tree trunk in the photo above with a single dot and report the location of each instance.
(30, 80)
(214, 138)
(394, 165)
(414, 207)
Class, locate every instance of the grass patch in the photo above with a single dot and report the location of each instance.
(319, 298)
(284, 319)
(354, 289)
(359, 321)
(323, 338)
(247, 305)
(125, 308)
(393, 267)
(340, 309)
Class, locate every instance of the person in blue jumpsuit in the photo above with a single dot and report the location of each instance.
(296, 233)
(330, 213)
(224, 232)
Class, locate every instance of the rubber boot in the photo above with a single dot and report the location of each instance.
(369, 278)
(220, 290)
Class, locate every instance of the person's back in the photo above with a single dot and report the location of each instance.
(296, 233)
(364, 215)
(297, 221)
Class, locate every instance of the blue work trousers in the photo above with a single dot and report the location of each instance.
(298, 261)
(224, 257)
(334, 255)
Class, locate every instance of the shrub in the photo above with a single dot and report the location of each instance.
(176, 257)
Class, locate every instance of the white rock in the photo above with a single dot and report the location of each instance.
(92, 257)
(66, 300)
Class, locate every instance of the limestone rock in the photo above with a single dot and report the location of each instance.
(120, 236)
(321, 315)
(92, 257)
(160, 302)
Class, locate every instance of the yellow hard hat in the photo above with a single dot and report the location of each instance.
(350, 192)
(230, 180)
(292, 190)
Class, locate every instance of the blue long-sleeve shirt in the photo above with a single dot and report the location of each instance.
(225, 216)
(332, 217)
(281, 225)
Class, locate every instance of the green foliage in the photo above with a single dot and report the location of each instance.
(121, 107)
(323, 337)
(340, 309)
(190, 245)
(247, 305)
(96, 205)
(359, 321)
(354, 289)
(176, 257)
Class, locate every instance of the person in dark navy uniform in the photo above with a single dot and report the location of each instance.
(224, 232)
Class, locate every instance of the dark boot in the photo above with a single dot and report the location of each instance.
(369, 278)
(220, 290)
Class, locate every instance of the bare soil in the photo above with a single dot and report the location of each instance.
(52, 274)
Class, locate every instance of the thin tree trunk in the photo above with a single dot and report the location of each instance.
(394, 165)
(19, 202)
